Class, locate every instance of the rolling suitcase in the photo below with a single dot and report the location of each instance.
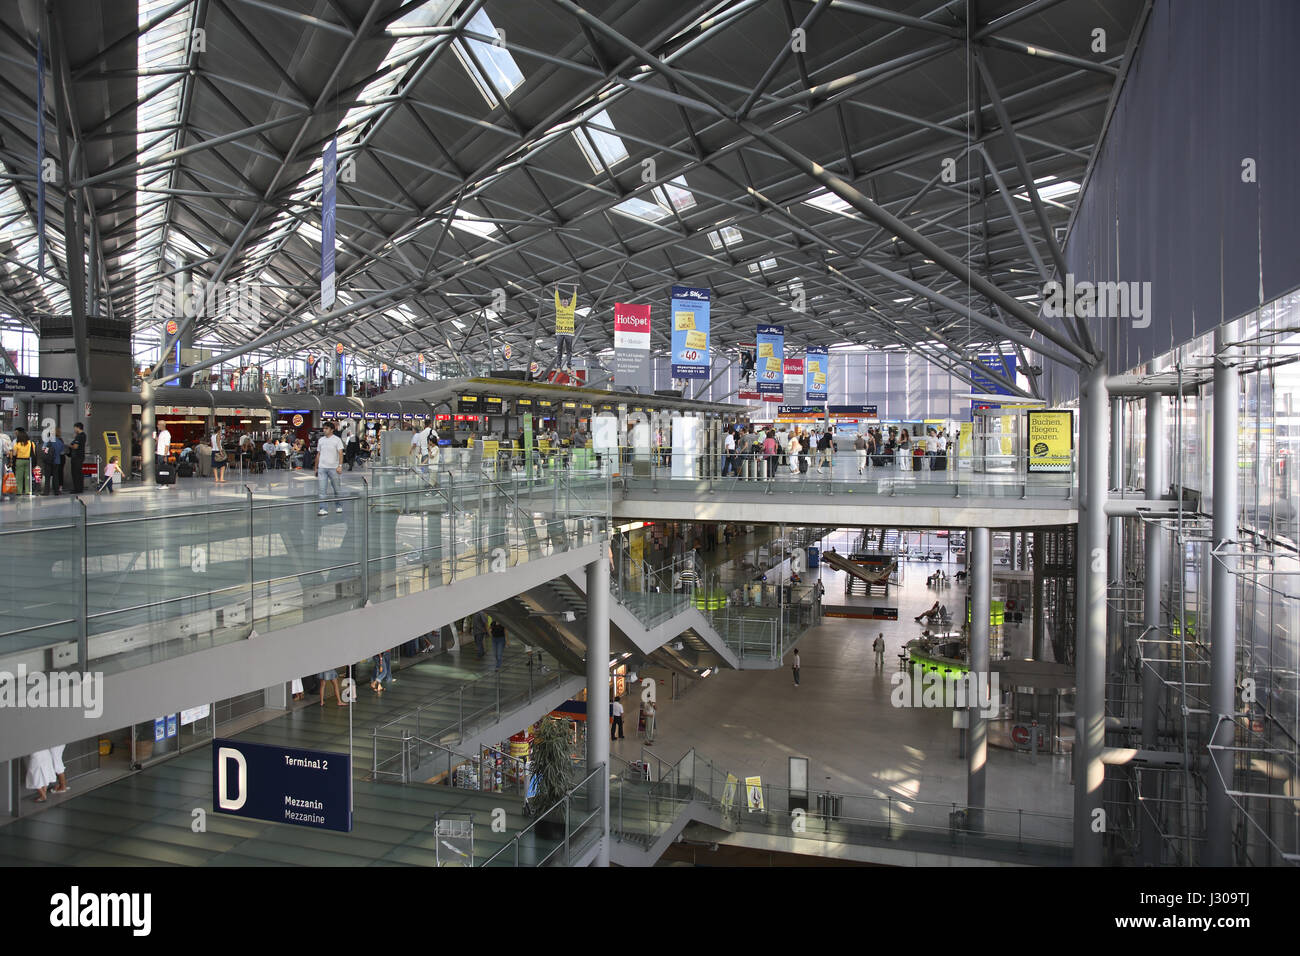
(166, 475)
(185, 470)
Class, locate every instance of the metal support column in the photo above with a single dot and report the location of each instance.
(1155, 571)
(598, 686)
(1115, 559)
(1090, 650)
(1223, 605)
(981, 571)
(147, 427)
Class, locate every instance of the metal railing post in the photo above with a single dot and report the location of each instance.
(252, 595)
(83, 566)
(567, 824)
(365, 541)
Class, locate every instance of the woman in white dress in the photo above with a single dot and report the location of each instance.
(60, 771)
(40, 773)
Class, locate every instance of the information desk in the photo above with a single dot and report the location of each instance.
(925, 655)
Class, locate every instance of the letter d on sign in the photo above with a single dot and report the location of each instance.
(224, 755)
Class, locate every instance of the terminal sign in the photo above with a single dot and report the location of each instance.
(31, 383)
(308, 788)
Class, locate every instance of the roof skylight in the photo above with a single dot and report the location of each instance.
(598, 145)
(490, 65)
(726, 236)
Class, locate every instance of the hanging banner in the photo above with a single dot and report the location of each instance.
(564, 313)
(1004, 365)
(1051, 440)
(818, 376)
(690, 311)
(769, 367)
(793, 390)
(328, 189)
(40, 157)
(631, 345)
(564, 331)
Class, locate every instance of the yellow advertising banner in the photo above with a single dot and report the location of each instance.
(729, 793)
(564, 313)
(754, 794)
(1051, 440)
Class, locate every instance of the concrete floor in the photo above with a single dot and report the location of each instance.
(841, 717)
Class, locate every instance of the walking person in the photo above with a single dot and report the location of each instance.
(329, 466)
(76, 456)
(111, 472)
(860, 446)
(498, 632)
(825, 446)
(40, 773)
(326, 677)
(616, 724)
(879, 647)
(23, 452)
(479, 627)
(794, 664)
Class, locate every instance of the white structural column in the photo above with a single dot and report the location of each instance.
(981, 576)
(1154, 560)
(1223, 605)
(148, 423)
(598, 689)
(1090, 634)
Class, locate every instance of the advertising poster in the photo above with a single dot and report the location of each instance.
(631, 345)
(794, 381)
(754, 794)
(690, 311)
(817, 376)
(769, 361)
(1051, 440)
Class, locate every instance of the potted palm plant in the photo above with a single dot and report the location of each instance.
(552, 773)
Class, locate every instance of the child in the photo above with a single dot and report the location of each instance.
(111, 472)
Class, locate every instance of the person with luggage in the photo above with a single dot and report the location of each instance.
(76, 457)
(24, 450)
(52, 462)
(111, 472)
(218, 461)
(161, 449)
